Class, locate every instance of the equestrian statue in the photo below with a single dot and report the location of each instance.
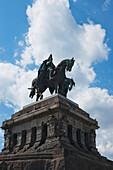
(52, 77)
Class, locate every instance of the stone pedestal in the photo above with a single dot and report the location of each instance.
(52, 134)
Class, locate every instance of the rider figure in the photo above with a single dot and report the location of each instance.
(47, 65)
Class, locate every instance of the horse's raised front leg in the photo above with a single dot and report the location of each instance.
(32, 93)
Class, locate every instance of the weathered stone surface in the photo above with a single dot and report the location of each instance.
(3, 165)
(53, 134)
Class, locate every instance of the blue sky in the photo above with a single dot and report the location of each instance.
(99, 13)
(14, 24)
(83, 29)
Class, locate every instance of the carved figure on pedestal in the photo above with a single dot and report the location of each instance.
(53, 78)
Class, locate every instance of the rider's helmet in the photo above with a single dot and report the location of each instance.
(50, 57)
(72, 60)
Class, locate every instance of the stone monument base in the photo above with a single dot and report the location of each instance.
(52, 134)
(61, 159)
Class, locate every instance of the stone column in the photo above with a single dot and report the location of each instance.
(92, 138)
(51, 127)
(74, 135)
(64, 129)
(38, 137)
(7, 136)
(93, 141)
(82, 138)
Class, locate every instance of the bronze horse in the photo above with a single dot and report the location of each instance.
(56, 82)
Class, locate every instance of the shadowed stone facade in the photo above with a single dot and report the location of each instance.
(52, 134)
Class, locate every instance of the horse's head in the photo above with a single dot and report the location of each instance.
(69, 64)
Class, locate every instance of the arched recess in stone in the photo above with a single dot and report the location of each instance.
(23, 139)
(87, 140)
(78, 137)
(13, 141)
(69, 132)
(44, 133)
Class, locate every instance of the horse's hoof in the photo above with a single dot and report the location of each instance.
(41, 97)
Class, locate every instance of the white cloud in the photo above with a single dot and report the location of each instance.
(1, 133)
(1, 139)
(106, 4)
(15, 38)
(53, 27)
(15, 54)
(54, 30)
(99, 104)
(21, 43)
(15, 84)
(105, 142)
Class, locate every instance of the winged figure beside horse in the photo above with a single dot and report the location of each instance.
(53, 78)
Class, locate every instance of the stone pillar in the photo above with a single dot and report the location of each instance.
(7, 137)
(92, 138)
(70, 133)
(64, 129)
(51, 127)
(82, 139)
(93, 141)
(38, 137)
(74, 136)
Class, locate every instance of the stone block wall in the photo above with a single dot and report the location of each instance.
(63, 121)
(53, 134)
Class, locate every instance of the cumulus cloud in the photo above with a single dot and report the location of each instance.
(1, 133)
(15, 54)
(99, 104)
(54, 30)
(105, 142)
(15, 84)
(53, 27)
(21, 43)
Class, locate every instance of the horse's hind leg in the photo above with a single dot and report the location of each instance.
(56, 88)
(37, 97)
(41, 97)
